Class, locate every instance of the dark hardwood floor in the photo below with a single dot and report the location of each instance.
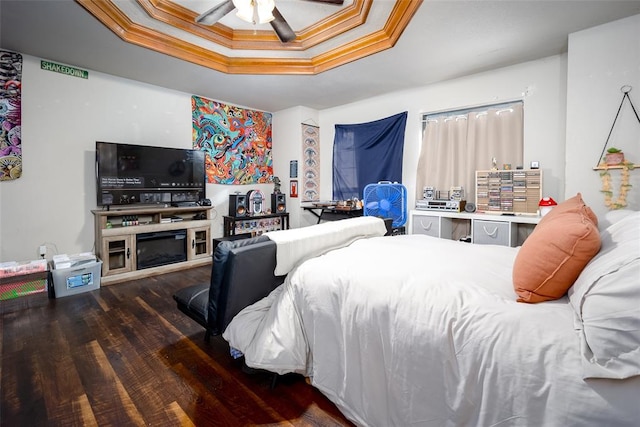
(125, 356)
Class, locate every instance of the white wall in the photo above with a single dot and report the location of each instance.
(287, 131)
(601, 60)
(540, 83)
(63, 117)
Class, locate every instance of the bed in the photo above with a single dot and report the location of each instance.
(413, 330)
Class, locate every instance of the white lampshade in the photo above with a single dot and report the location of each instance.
(264, 9)
(255, 11)
(245, 10)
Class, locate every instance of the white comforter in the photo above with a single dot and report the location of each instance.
(414, 330)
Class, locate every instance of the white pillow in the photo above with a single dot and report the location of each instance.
(298, 244)
(606, 299)
(613, 216)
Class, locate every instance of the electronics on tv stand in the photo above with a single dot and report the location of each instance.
(184, 204)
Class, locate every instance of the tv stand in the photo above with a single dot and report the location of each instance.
(116, 231)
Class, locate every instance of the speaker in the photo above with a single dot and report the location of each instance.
(470, 207)
(456, 193)
(237, 205)
(278, 203)
(429, 193)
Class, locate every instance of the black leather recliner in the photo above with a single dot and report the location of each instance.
(241, 274)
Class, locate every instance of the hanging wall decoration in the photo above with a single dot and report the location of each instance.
(311, 163)
(236, 141)
(10, 115)
(613, 158)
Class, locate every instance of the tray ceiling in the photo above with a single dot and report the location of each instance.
(442, 40)
(327, 35)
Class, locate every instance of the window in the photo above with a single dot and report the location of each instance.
(455, 144)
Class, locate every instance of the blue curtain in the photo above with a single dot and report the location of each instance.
(366, 153)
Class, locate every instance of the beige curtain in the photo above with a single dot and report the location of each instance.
(455, 146)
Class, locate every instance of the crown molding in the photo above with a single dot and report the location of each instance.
(166, 11)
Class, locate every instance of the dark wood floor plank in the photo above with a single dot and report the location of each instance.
(138, 363)
(207, 409)
(210, 369)
(181, 416)
(82, 406)
(21, 385)
(111, 403)
(125, 355)
(22, 398)
(136, 359)
(62, 386)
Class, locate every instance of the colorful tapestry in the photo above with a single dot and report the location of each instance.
(311, 163)
(236, 141)
(10, 115)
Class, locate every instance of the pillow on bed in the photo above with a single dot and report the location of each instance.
(555, 253)
(606, 299)
(574, 203)
(614, 216)
(296, 245)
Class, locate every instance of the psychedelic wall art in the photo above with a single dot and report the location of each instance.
(310, 163)
(10, 115)
(236, 141)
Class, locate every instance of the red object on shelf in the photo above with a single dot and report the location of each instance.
(545, 205)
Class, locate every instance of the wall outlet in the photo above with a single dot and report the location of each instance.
(43, 250)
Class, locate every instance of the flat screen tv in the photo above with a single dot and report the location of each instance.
(128, 174)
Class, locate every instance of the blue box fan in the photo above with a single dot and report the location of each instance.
(386, 200)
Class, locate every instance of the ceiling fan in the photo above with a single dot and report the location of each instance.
(255, 11)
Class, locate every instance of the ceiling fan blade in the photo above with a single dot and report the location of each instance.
(216, 13)
(281, 27)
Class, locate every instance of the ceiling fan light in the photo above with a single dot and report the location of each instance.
(243, 4)
(245, 15)
(264, 9)
(245, 10)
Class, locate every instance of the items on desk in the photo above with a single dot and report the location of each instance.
(335, 209)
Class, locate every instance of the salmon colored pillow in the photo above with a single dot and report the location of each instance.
(555, 253)
(575, 203)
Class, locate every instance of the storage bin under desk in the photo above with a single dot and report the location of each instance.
(484, 228)
(486, 232)
(431, 225)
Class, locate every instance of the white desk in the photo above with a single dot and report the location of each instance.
(486, 228)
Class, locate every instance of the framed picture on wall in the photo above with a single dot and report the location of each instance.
(293, 169)
(293, 188)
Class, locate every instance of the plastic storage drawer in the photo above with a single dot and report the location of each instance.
(493, 232)
(76, 280)
(423, 224)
